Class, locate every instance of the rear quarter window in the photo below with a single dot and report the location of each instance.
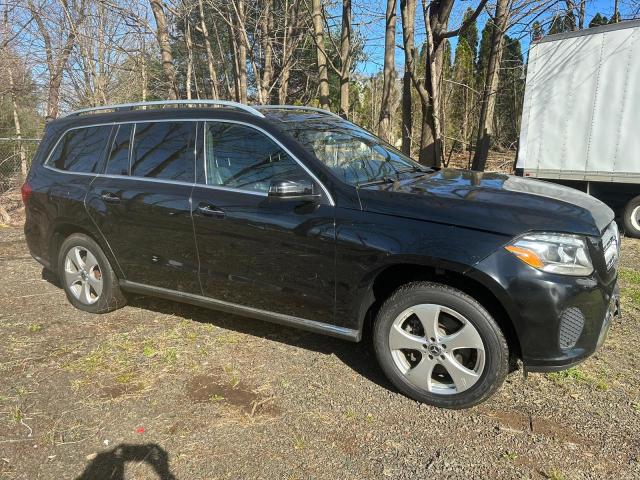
(80, 149)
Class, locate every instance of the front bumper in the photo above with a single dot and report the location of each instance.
(559, 320)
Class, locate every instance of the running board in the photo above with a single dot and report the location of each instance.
(273, 317)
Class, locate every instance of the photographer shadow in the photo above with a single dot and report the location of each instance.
(110, 465)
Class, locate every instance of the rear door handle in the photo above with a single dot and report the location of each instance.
(209, 210)
(109, 197)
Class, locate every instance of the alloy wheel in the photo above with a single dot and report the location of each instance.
(437, 349)
(83, 275)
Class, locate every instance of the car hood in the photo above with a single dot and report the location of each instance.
(489, 201)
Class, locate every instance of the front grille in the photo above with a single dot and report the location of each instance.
(571, 325)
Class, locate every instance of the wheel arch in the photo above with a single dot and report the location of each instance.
(388, 278)
(65, 228)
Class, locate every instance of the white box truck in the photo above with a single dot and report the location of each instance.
(581, 115)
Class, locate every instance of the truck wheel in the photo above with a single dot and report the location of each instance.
(632, 218)
(439, 346)
(87, 277)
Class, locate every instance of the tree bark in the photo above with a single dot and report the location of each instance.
(389, 72)
(266, 27)
(162, 36)
(189, 45)
(345, 58)
(487, 112)
(241, 49)
(323, 73)
(213, 77)
(16, 123)
(407, 11)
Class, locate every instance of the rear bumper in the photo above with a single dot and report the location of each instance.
(559, 320)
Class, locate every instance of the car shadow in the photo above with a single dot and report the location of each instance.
(360, 357)
(110, 465)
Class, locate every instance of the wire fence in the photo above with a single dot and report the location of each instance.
(15, 159)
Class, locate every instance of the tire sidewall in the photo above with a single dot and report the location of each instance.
(108, 277)
(496, 351)
(629, 228)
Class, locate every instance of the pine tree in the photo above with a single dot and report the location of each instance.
(598, 20)
(470, 35)
(463, 97)
(510, 94)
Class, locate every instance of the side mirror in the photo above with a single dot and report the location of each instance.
(291, 189)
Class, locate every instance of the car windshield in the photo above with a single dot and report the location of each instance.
(354, 155)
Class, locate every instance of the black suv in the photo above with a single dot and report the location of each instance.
(296, 216)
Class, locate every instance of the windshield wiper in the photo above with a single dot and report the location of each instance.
(377, 181)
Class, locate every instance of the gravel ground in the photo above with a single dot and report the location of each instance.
(163, 390)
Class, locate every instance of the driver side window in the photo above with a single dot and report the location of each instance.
(238, 156)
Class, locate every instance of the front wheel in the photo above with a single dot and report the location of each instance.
(439, 346)
(632, 218)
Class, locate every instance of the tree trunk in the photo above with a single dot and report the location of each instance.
(384, 123)
(162, 35)
(16, 123)
(407, 10)
(241, 52)
(487, 112)
(323, 73)
(213, 77)
(345, 58)
(266, 27)
(189, 45)
(581, 13)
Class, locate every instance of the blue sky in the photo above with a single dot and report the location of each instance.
(370, 19)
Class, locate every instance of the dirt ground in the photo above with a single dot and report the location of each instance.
(163, 390)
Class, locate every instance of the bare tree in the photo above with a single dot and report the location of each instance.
(487, 112)
(407, 11)
(213, 77)
(318, 33)
(345, 58)
(384, 123)
(162, 35)
(58, 43)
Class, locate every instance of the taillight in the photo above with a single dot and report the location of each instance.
(26, 191)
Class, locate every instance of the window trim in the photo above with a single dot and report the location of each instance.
(203, 120)
(45, 163)
(274, 140)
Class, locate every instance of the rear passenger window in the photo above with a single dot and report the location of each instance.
(118, 163)
(164, 150)
(245, 158)
(80, 150)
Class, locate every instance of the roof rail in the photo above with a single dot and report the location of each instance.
(296, 107)
(131, 106)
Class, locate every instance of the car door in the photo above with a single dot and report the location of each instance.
(142, 203)
(273, 254)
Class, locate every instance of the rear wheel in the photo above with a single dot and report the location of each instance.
(632, 218)
(439, 346)
(87, 277)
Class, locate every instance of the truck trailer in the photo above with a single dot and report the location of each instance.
(581, 115)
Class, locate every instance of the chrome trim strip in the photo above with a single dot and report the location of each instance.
(279, 318)
(296, 159)
(221, 103)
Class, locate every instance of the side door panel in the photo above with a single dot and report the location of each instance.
(143, 208)
(275, 256)
(272, 254)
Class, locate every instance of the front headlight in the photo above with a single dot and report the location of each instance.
(553, 252)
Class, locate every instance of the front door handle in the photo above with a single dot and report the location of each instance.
(209, 210)
(109, 197)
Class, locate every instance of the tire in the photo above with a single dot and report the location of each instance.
(422, 371)
(632, 218)
(86, 275)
